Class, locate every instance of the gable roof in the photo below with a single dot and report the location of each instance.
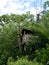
(26, 31)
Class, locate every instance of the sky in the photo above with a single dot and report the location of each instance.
(20, 6)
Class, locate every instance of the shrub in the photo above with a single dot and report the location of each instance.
(23, 62)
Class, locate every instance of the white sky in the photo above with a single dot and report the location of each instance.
(18, 6)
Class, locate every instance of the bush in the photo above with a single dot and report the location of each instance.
(43, 55)
(23, 62)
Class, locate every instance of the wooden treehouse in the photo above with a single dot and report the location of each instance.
(23, 38)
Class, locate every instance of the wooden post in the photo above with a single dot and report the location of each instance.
(37, 18)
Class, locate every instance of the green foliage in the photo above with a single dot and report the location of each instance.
(8, 42)
(43, 55)
(23, 62)
(46, 4)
